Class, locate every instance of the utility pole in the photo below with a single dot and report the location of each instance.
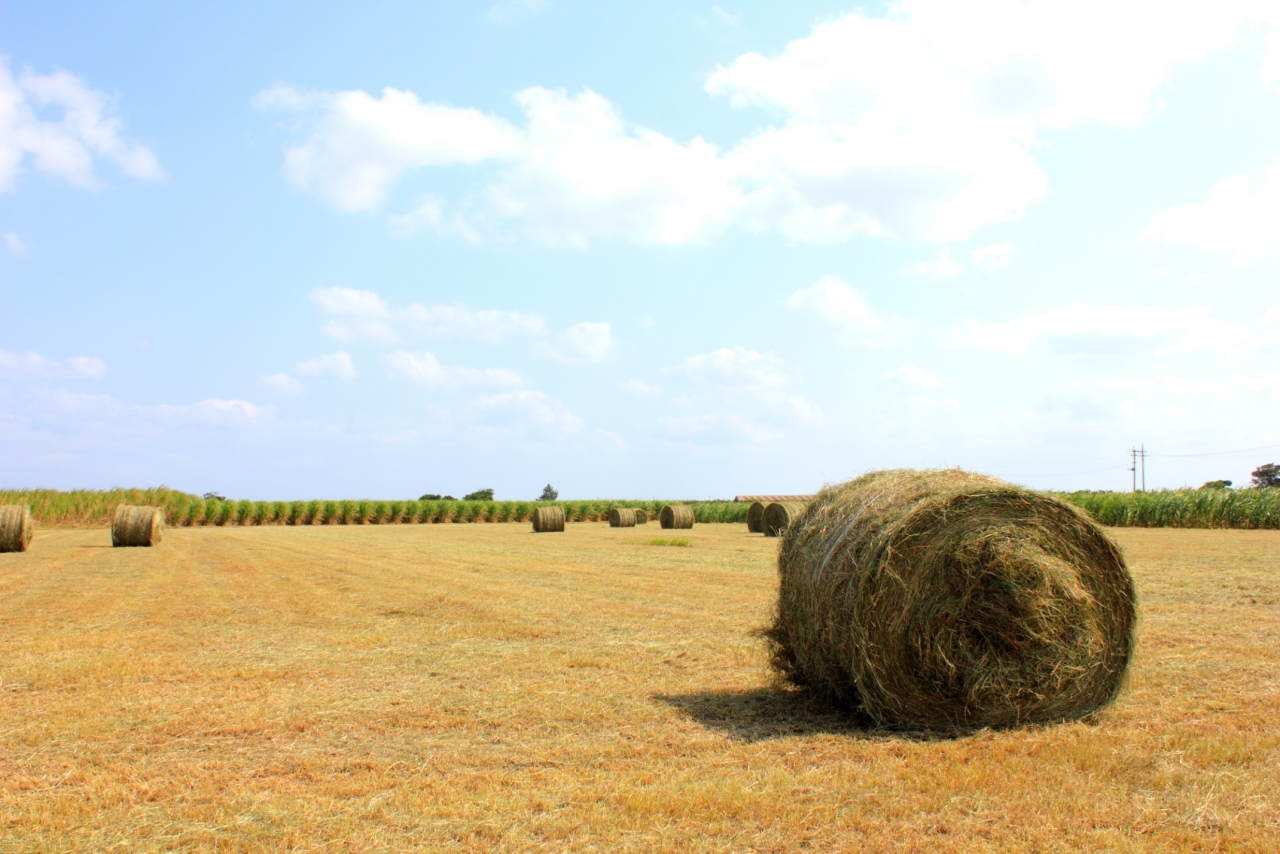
(1138, 466)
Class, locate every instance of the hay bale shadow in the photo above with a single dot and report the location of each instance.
(761, 714)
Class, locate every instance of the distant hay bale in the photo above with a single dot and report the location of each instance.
(778, 515)
(755, 517)
(547, 519)
(622, 517)
(137, 526)
(949, 601)
(16, 528)
(642, 518)
(676, 516)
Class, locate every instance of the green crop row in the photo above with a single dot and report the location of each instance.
(1183, 508)
(1173, 508)
(89, 507)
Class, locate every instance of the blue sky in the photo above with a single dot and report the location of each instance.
(297, 250)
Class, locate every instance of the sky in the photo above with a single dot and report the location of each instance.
(300, 250)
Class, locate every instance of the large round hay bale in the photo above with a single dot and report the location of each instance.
(755, 517)
(548, 519)
(16, 528)
(642, 518)
(778, 515)
(137, 526)
(622, 517)
(944, 600)
(676, 516)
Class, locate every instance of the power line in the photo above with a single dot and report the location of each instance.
(1220, 453)
(1137, 465)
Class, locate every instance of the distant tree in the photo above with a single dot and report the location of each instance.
(430, 496)
(479, 495)
(214, 496)
(1217, 484)
(1266, 476)
(549, 493)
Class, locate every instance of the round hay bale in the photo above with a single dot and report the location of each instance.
(676, 516)
(137, 526)
(16, 528)
(755, 517)
(622, 517)
(778, 515)
(948, 601)
(547, 519)
(642, 518)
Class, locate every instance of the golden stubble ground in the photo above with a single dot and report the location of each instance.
(483, 688)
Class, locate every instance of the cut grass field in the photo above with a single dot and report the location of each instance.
(484, 688)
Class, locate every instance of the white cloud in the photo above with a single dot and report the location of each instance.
(833, 301)
(34, 366)
(1241, 216)
(213, 412)
(216, 410)
(337, 365)
(1270, 334)
(717, 427)
(364, 316)
(366, 331)
(640, 388)
(350, 302)
(724, 17)
(806, 412)
(281, 383)
(210, 412)
(67, 144)
(911, 375)
(360, 145)
(997, 256)
(1109, 330)
(518, 410)
(458, 321)
(1163, 405)
(745, 379)
(737, 366)
(430, 214)
(937, 269)
(574, 173)
(14, 243)
(922, 123)
(514, 11)
(425, 369)
(584, 344)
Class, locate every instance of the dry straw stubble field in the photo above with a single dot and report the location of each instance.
(483, 688)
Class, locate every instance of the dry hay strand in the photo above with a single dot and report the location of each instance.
(755, 517)
(642, 518)
(676, 516)
(16, 528)
(137, 526)
(778, 515)
(547, 519)
(949, 601)
(622, 517)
